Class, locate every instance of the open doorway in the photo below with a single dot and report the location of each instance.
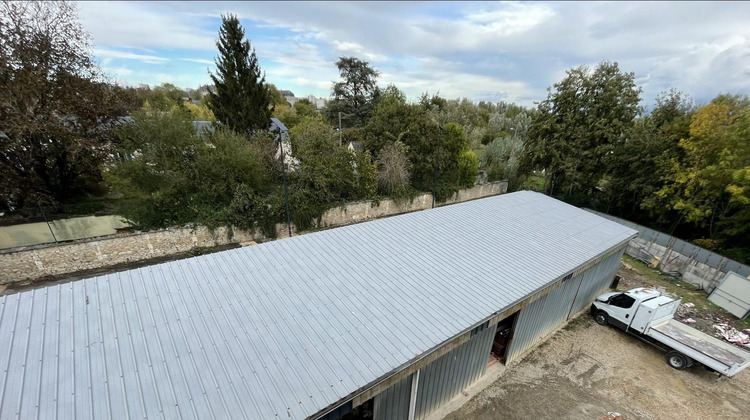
(500, 344)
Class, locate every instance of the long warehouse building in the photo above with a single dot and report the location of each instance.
(392, 317)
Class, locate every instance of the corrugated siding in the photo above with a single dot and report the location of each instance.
(550, 311)
(444, 378)
(393, 403)
(285, 329)
(597, 280)
(542, 316)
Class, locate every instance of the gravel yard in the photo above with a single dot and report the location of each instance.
(586, 370)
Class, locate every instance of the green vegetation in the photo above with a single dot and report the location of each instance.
(175, 177)
(242, 101)
(678, 168)
(354, 97)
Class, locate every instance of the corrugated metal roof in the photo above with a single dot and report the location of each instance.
(286, 328)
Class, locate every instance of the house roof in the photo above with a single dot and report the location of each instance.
(355, 145)
(202, 127)
(289, 327)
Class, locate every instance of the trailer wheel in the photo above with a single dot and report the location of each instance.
(677, 360)
(601, 318)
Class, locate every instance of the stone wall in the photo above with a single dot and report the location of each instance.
(32, 263)
(42, 261)
(366, 210)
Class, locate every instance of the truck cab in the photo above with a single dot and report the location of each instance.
(621, 308)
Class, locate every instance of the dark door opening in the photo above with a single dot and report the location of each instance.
(503, 334)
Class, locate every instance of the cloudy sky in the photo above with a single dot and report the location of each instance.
(482, 51)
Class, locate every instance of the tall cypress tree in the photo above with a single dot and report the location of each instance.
(242, 99)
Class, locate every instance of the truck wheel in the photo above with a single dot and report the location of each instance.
(601, 318)
(677, 360)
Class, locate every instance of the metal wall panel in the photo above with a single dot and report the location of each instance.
(543, 316)
(444, 378)
(597, 281)
(733, 294)
(393, 403)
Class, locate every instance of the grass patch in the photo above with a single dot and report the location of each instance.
(578, 322)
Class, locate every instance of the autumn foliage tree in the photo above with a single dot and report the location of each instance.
(56, 110)
(710, 185)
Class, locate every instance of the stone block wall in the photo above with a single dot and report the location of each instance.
(43, 261)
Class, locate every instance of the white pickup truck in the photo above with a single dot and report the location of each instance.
(649, 316)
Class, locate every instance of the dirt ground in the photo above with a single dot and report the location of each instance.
(585, 371)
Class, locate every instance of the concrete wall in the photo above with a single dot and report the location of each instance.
(696, 265)
(692, 271)
(64, 230)
(30, 263)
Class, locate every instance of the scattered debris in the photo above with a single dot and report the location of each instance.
(689, 321)
(731, 334)
(613, 415)
(686, 310)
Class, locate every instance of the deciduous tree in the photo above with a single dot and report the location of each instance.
(56, 110)
(710, 187)
(578, 126)
(355, 95)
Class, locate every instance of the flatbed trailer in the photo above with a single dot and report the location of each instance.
(649, 316)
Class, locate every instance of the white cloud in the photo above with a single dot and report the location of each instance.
(109, 54)
(144, 25)
(199, 60)
(477, 50)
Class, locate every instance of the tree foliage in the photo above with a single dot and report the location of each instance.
(56, 108)
(640, 163)
(242, 100)
(583, 119)
(355, 95)
(710, 185)
(293, 115)
(173, 177)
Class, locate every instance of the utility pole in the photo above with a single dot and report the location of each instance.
(437, 166)
(340, 141)
(47, 221)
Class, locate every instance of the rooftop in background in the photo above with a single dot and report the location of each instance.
(285, 328)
